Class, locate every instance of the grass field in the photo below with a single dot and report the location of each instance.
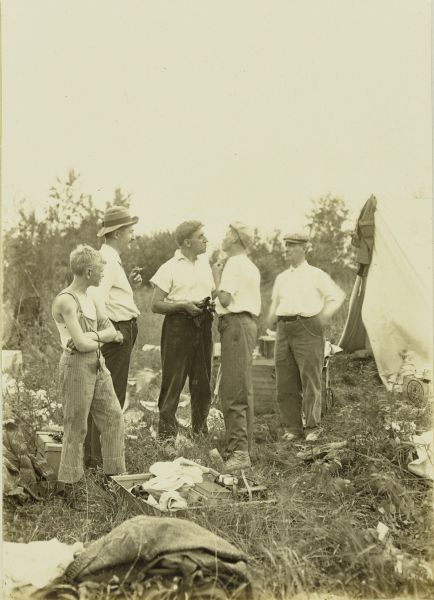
(320, 536)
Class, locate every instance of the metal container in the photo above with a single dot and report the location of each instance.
(48, 449)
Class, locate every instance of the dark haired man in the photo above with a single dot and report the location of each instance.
(180, 286)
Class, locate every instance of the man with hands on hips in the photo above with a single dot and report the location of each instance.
(304, 298)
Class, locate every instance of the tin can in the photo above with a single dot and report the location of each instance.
(227, 480)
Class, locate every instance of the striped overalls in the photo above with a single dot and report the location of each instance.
(86, 387)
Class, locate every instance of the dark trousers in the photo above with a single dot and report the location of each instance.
(117, 360)
(117, 356)
(186, 351)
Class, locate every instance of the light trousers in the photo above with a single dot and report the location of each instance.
(85, 390)
(299, 358)
(238, 333)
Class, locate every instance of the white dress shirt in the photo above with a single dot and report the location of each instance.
(115, 289)
(305, 290)
(241, 279)
(184, 280)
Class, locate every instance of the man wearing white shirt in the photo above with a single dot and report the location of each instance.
(304, 298)
(238, 305)
(115, 291)
(180, 286)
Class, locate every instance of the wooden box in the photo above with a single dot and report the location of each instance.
(48, 449)
(266, 346)
(202, 496)
(264, 385)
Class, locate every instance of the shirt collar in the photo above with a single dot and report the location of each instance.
(179, 256)
(110, 252)
(300, 266)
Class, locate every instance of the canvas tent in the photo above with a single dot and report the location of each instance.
(390, 307)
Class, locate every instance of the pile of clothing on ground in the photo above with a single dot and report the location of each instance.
(24, 475)
(141, 555)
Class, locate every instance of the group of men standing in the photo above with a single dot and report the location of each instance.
(187, 291)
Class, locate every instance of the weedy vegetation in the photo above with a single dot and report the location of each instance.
(321, 533)
(352, 522)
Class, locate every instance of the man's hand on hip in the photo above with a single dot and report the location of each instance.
(119, 338)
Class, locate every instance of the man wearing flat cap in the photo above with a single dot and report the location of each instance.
(304, 298)
(181, 286)
(115, 291)
(238, 305)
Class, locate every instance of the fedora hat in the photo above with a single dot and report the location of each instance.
(116, 217)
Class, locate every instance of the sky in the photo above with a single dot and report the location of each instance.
(224, 110)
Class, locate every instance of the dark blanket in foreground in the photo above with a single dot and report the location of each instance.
(168, 548)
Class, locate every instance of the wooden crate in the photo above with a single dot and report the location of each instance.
(201, 497)
(264, 385)
(266, 346)
(48, 449)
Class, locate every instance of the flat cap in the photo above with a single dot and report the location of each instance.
(296, 237)
(244, 233)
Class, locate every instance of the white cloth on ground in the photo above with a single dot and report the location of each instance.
(423, 464)
(170, 476)
(36, 563)
(171, 501)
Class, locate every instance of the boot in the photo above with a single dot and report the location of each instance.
(239, 460)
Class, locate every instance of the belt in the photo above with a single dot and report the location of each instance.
(243, 312)
(133, 319)
(294, 318)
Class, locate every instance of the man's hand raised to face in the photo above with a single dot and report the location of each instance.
(135, 278)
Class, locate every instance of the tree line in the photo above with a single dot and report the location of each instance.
(36, 250)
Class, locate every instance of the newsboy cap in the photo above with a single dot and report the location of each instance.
(296, 237)
(116, 217)
(244, 233)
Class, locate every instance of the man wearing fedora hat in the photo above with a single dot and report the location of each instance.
(304, 298)
(115, 290)
(238, 305)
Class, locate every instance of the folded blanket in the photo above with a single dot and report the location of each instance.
(156, 545)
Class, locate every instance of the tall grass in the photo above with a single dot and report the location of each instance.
(320, 534)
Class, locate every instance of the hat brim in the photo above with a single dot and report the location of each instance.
(104, 230)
